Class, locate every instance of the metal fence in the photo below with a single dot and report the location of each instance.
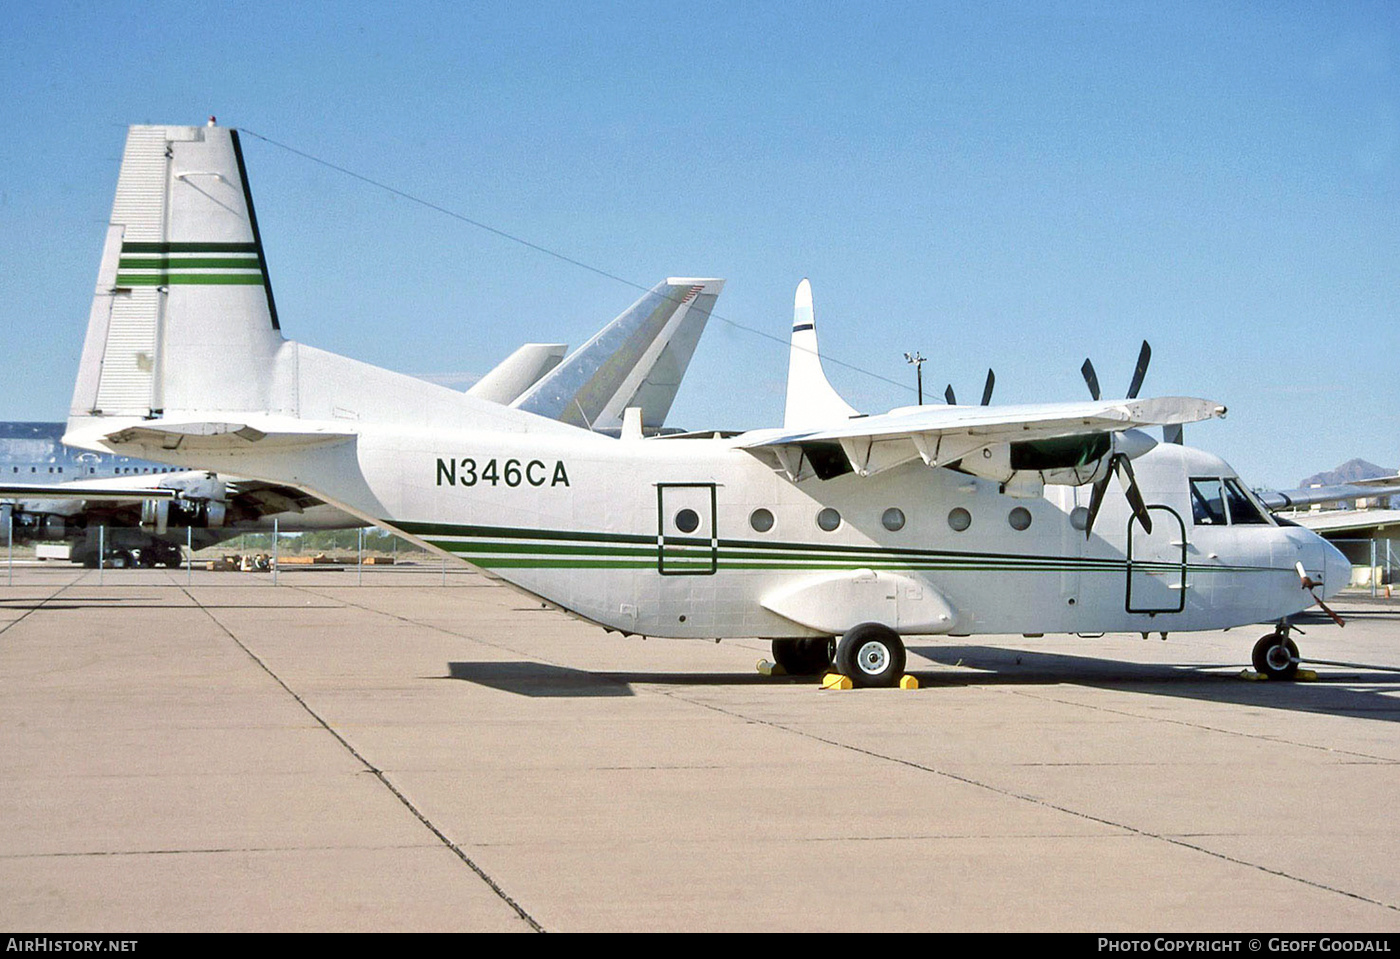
(1373, 562)
(371, 558)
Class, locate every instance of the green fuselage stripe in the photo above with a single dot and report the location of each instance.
(144, 247)
(189, 279)
(554, 549)
(189, 263)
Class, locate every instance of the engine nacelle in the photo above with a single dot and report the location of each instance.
(1025, 468)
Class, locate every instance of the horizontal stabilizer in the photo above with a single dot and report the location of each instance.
(154, 436)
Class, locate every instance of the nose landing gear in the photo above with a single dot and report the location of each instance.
(1276, 656)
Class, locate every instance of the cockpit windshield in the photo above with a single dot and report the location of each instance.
(1217, 502)
(1242, 508)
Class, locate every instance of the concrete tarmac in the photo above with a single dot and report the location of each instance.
(408, 755)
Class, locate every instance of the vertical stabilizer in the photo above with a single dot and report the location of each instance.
(183, 315)
(811, 400)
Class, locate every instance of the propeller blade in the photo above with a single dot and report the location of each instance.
(1090, 378)
(1130, 488)
(987, 390)
(1144, 357)
(948, 395)
(1096, 501)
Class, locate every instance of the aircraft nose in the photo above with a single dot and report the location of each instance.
(1336, 570)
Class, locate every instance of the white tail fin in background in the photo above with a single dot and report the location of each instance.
(811, 400)
(639, 359)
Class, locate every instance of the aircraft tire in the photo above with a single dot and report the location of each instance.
(802, 657)
(870, 655)
(120, 559)
(1276, 656)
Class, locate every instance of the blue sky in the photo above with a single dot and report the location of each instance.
(1005, 185)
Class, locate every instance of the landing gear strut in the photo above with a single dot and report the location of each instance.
(1276, 656)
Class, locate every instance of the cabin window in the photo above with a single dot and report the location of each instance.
(761, 520)
(1079, 518)
(828, 519)
(687, 521)
(1207, 503)
(959, 518)
(1019, 518)
(1242, 508)
(893, 519)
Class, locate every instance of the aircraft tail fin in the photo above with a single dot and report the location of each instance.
(183, 339)
(639, 359)
(811, 399)
(183, 277)
(518, 372)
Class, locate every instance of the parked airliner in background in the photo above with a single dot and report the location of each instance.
(833, 535)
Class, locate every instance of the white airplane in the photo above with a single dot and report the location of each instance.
(833, 536)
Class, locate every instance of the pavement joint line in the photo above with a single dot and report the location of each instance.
(1045, 804)
(98, 853)
(674, 694)
(19, 619)
(377, 772)
(1278, 740)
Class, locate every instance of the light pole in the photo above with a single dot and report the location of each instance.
(918, 360)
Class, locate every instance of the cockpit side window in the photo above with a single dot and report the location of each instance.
(1207, 503)
(1242, 508)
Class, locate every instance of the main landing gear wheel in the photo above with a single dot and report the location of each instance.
(802, 657)
(1276, 656)
(871, 654)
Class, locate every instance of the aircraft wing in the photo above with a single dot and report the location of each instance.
(252, 499)
(940, 435)
(1348, 523)
(1356, 489)
(87, 491)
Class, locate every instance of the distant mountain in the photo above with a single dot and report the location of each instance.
(1348, 472)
